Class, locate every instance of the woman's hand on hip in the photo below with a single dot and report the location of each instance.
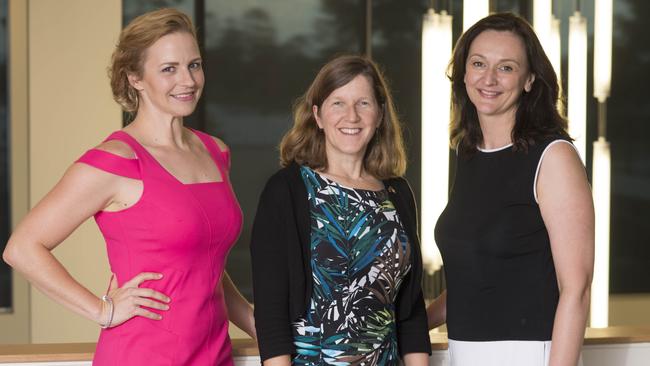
(130, 300)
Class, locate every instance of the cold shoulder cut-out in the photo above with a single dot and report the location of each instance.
(183, 231)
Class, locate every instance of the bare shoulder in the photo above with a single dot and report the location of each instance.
(562, 175)
(561, 155)
(222, 145)
(117, 147)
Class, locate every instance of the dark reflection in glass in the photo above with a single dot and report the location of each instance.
(261, 56)
(628, 131)
(5, 271)
(396, 46)
(134, 8)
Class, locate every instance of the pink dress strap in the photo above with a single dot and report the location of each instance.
(222, 158)
(111, 163)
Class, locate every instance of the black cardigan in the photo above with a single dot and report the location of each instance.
(282, 281)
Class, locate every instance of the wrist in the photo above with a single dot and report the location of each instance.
(107, 303)
(98, 311)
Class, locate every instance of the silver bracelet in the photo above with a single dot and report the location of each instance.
(107, 299)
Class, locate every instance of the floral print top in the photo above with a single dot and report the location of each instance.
(359, 258)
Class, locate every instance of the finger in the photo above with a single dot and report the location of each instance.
(147, 314)
(147, 292)
(151, 304)
(141, 277)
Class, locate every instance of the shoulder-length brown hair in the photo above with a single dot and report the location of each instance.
(537, 114)
(304, 143)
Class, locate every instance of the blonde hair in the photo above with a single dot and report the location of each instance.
(304, 143)
(129, 54)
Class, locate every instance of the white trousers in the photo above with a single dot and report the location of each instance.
(499, 353)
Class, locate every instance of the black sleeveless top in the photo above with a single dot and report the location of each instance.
(501, 282)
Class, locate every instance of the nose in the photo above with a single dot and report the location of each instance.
(187, 78)
(490, 77)
(351, 114)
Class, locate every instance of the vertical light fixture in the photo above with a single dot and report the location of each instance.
(436, 94)
(577, 95)
(602, 163)
(542, 21)
(555, 50)
(473, 11)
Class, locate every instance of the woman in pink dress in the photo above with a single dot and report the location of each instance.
(161, 196)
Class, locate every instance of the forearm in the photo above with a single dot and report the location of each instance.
(284, 360)
(240, 311)
(437, 311)
(47, 274)
(416, 359)
(569, 327)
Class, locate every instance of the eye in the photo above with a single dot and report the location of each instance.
(506, 68)
(477, 64)
(195, 65)
(337, 103)
(364, 103)
(169, 69)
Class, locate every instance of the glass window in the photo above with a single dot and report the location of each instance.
(5, 271)
(133, 8)
(628, 114)
(259, 58)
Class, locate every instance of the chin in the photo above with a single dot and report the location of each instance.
(183, 112)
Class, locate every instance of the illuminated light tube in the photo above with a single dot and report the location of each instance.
(473, 11)
(436, 95)
(601, 164)
(602, 49)
(542, 20)
(577, 94)
(601, 190)
(555, 50)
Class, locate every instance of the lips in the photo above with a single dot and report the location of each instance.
(489, 93)
(350, 131)
(184, 97)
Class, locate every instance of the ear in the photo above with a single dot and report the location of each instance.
(135, 81)
(314, 110)
(529, 83)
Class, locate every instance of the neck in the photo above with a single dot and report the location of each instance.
(496, 131)
(350, 168)
(156, 129)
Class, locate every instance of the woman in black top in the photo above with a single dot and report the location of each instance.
(336, 257)
(517, 235)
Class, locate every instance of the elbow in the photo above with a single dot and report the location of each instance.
(579, 293)
(14, 254)
(9, 254)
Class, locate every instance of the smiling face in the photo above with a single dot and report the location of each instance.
(349, 117)
(496, 73)
(172, 77)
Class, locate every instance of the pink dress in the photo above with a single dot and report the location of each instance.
(183, 231)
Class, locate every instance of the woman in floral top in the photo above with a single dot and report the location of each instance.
(336, 257)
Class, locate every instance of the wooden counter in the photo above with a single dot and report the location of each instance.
(247, 347)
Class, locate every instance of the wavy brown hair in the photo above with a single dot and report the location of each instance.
(537, 115)
(304, 143)
(129, 54)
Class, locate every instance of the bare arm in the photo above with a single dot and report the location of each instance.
(283, 360)
(416, 359)
(240, 311)
(566, 205)
(437, 311)
(82, 191)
